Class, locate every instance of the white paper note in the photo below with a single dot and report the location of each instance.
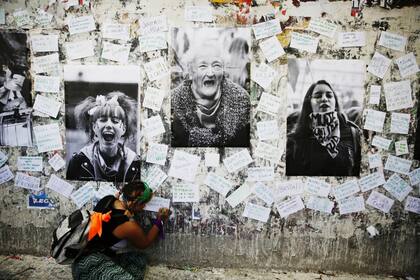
(46, 64)
(392, 41)
(152, 25)
(304, 42)
(154, 177)
(198, 13)
(184, 166)
(116, 52)
(379, 65)
(414, 176)
(407, 64)
(156, 203)
(322, 27)
(218, 183)
(371, 181)
(185, 192)
(398, 164)
(57, 162)
(156, 69)
(398, 95)
(320, 204)
(412, 204)
(22, 18)
(317, 187)
(290, 206)
(271, 48)
(397, 187)
(269, 104)
(351, 39)
(43, 18)
(2, 16)
(256, 212)
(264, 193)
(351, 205)
(237, 161)
(268, 130)
(401, 147)
(81, 24)
(268, 152)
(29, 163)
(48, 137)
(240, 194)
(47, 84)
(3, 158)
(105, 188)
(400, 123)
(266, 29)
(156, 153)
(153, 126)
(116, 31)
(79, 49)
(375, 94)
(288, 188)
(47, 106)
(375, 160)
(153, 98)
(375, 120)
(260, 174)
(44, 43)
(59, 185)
(381, 143)
(211, 159)
(346, 189)
(5, 174)
(263, 75)
(25, 181)
(380, 201)
(152, 42)
(82, 195)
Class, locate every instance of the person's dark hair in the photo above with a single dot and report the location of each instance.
(302, 127)
(129, 188)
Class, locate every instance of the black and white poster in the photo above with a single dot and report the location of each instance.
(325, 101)
(210, 77)
(102, 122)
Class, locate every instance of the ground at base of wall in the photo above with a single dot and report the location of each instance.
(35, 268)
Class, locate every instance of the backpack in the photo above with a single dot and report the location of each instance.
(70, 238)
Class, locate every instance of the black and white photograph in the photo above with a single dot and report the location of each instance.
(210, 80)
(325, 104)
(15, 90)
(102, 122)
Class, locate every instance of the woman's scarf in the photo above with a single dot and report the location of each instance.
(326, 129)
(105, 171)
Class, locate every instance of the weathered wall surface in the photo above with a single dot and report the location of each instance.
(307, 240)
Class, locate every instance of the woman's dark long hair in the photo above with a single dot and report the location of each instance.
(302, 127)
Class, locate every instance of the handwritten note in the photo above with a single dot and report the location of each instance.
(116, 31)
(267, 29)
(400, 123)
(269, 104)
(156, 203)
(320, 204)
(154, 177)
(47, 106)
(271, 48)
(218, 183)
(317, 187)
(268, 152)
(304, 42)
(375, 94)
(351, 205)
(156, 69)
(153, 98)
(59, 185)
(25, 181)
(185, 192)
(48, 137)
(46, 64)
(375, 120)
(392, 41)
(260, 174)
(397, 187)
(379, 65)
(414, 176)
(5, 174)
(22, 18)
(407, 64)
(322, 27)
(198, 13)
(43, 18)
(398, 95)
(44, 43)
(375, 160)
(156, 153)
(211, 159)
(153, 126)
(264, 193)
(263, 75)
(57, 162)
(152, 42)
(381, 143)
(2, 16)
(412, 204)
(240, 194)
(351, 39)
(401, 147)
(3, 158)
(290, 206)
(398, 164)
(82, 195)
(184, 166)
(80, 49)
(152, 25)
(268, 130)
(380, 201)
(237, 161)
(346, 189)
(256, 212)
(47, 84)
(29, 163)
(105, 188)
(81, 24)
(116, 52)
(371, 181)
(288, 188)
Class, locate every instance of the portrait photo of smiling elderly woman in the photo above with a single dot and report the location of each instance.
(210, 103)
(101, 123)
(323, 137)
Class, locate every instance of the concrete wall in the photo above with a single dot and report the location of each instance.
(307, 240)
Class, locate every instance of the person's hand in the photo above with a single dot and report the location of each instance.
(163, 214)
